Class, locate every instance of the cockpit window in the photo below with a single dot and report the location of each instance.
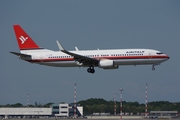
(159, 53)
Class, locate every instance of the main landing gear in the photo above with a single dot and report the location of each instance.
(91, 69)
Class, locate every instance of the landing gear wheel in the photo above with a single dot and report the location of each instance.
(91, 70)
(153, 68)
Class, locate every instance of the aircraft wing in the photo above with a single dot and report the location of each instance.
(87, 61)
(82, 59)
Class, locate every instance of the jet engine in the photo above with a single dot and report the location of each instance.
(107, 64)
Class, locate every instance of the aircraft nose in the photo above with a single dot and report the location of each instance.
(167, 57)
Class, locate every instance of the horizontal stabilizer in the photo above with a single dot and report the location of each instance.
(20, 54)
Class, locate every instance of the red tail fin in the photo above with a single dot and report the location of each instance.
(24, 40)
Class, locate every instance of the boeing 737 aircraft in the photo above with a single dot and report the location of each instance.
(106, 59)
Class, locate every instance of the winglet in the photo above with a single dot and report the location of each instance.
(76, 49)
(60, 46)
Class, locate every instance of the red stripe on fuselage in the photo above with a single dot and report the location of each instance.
(99, 58)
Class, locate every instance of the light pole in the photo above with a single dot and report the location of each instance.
(121, 103)
(115, 104)
(146, 107)
(75, 100)
(28, 100)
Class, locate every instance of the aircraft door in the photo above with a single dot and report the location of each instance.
(41, 58)
(150, 55)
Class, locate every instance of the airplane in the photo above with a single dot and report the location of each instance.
(106, 59)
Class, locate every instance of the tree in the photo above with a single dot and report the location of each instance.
(17, 105)
(48, 104)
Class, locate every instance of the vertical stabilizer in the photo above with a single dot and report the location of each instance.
(24, 40)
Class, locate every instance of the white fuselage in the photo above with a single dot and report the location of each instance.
(119, 57)
(106, 59)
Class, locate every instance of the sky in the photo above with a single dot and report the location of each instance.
(89, 25)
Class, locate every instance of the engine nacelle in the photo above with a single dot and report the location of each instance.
(107, 64)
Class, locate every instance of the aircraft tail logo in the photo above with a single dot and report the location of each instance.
(23, 39)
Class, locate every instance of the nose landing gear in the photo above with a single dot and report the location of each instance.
(153, 68)
(91, 69)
